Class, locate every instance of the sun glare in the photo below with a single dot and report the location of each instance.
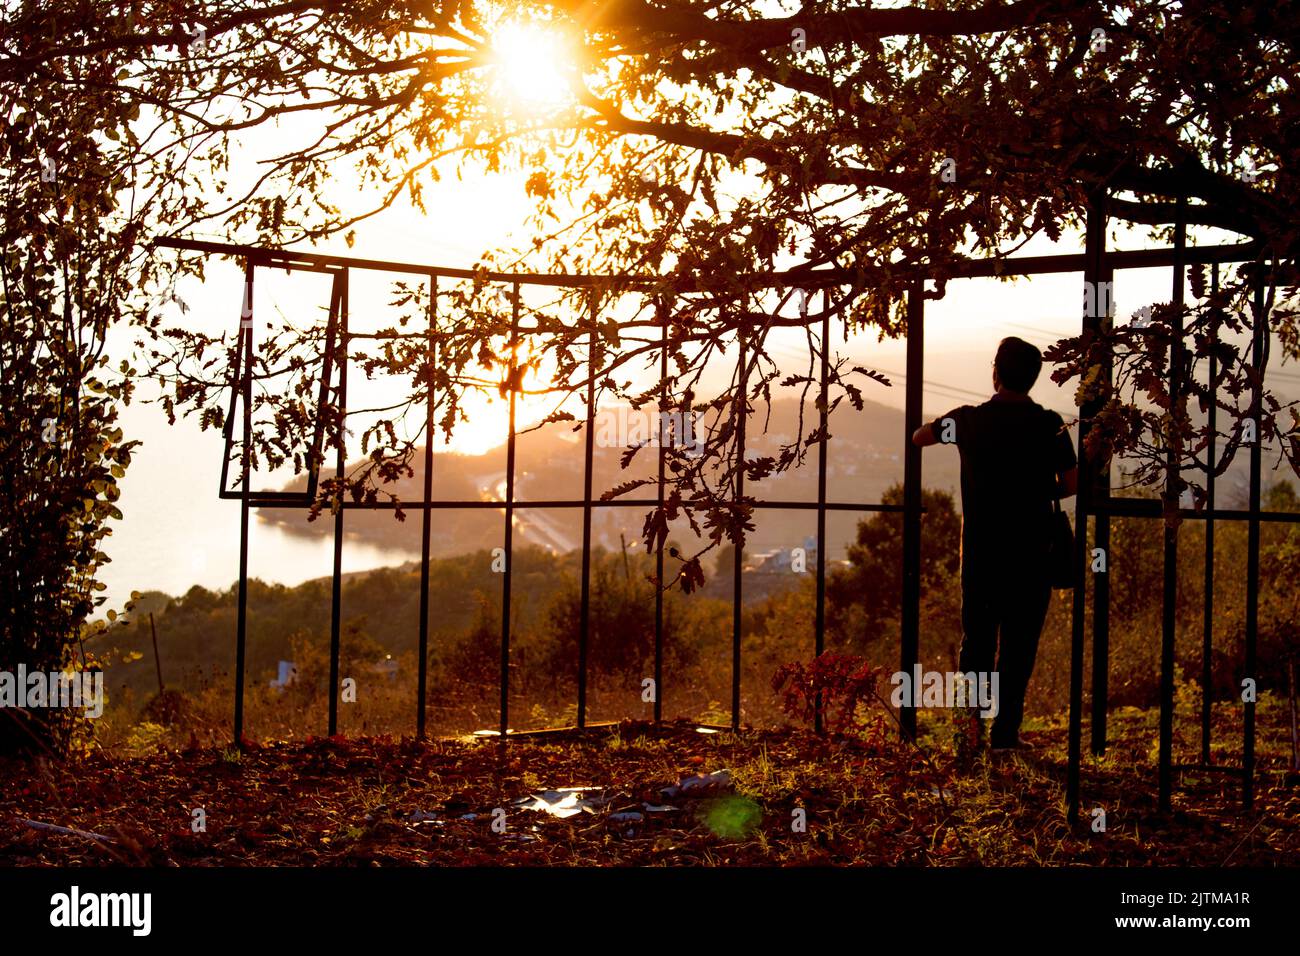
(533, 64)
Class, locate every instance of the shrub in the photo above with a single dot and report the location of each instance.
(841, 682)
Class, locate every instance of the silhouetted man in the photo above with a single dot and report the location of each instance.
(1016, 456)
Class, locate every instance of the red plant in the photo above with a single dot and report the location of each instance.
(840, 681)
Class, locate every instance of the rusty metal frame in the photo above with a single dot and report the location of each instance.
(1096, 263)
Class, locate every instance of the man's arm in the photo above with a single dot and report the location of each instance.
(1064, 461)
(926, 434)
(1067, 482)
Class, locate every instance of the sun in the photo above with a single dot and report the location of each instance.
(533, 65)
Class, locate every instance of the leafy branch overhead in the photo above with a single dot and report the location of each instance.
(734, 169)
(723, 149)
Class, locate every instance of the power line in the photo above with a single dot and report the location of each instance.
(943, 389)
(1049, 333)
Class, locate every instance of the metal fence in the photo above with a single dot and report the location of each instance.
(1097, 264)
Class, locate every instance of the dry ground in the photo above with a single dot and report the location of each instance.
(867, 799)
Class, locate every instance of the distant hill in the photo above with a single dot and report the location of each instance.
(864, 457)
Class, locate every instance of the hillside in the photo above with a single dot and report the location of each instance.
(864, 458)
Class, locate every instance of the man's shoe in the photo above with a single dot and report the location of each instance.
(1004, 746)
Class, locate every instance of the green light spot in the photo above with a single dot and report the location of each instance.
(733, 817)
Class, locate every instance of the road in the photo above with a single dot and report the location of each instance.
(533, 525)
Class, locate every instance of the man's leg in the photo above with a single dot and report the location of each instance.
(979, 622)
(1028, 594)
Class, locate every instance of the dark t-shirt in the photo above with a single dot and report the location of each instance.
(1011, 449)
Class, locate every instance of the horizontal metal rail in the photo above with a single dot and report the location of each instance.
(810, 279)
(578, 503)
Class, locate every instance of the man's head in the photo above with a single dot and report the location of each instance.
(1016, 366)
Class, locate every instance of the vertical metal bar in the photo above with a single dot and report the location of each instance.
(157, 658)
(1207, 639)
(1252, 541)
(659, 551)
(1094, 259)
(742, 411)
(510, 519)
(819, 626)
(425, 531)
(1169, 621)
(1101, 536)
(341, 462)
(910, 642)
(244, 345)
(316, 460)
(584, 609)
(236, 390)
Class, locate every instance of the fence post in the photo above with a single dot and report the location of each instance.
(1207, 638)
(819, 625)
(659, 551)
(510, 519)
(742, 412)
(244, 347)
(584, 610)
(336, 594)
(1101, 528)
(431, 359)
(911, 622)
(1093, 268)
(1169, 621)
(1260, 359)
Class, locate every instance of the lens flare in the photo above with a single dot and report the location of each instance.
(732, 817)
(533, 65)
